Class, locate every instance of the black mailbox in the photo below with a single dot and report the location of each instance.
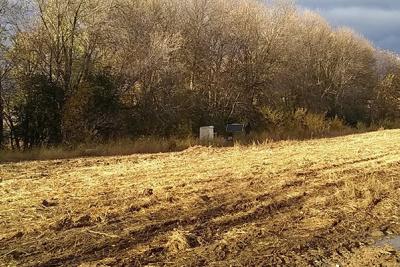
(235, 128)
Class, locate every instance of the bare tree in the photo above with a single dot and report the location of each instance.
(4, 63)
(180, 64)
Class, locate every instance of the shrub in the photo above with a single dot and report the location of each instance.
(93, 111)
(316, 124)
(300, 124)
(38, 113)
(272, 117)
(361, 126)
(336, 124)
(388, 124)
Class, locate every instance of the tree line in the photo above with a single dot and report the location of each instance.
(94, 70)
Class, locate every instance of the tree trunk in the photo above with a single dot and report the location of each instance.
(1, 118)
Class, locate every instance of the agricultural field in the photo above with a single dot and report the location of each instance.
(327, 202)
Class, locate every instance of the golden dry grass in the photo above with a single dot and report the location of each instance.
(320, 202)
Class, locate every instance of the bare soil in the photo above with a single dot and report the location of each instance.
(324, 202)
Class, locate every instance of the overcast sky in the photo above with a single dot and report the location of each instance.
(377, 20)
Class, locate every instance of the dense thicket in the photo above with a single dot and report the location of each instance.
(82, 70)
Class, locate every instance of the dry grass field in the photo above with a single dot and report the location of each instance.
(324, 202)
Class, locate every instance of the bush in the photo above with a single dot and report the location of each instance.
(316, 124)
(361, 126)
(387, 124)
(92, 113)
(38, 113)
(300, 124)
(337, 125)
(272, 117)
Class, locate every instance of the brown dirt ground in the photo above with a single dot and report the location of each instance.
(320, 203)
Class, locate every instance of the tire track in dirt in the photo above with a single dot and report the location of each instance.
(335, 166)
(204, 226)
(324, 239)
(149, 232)
(210, 231)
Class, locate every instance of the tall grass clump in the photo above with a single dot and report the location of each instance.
(301, 124)
(114, 148)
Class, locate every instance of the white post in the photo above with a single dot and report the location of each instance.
(207, 133)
